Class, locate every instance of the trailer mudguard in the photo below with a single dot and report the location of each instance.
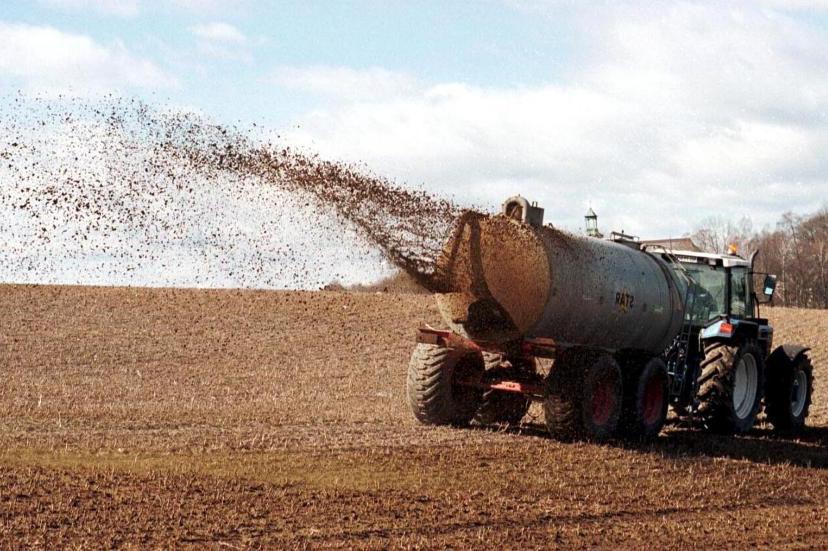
(787, 354)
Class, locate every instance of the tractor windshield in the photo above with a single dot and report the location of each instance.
(710, 291)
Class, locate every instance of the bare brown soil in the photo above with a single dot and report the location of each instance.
(141, 417)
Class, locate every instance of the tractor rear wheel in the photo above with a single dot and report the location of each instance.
(730, 387)
(437, 394)
(788, 394)
(583, 398)
(645, 401)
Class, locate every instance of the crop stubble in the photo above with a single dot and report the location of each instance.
(148, 417)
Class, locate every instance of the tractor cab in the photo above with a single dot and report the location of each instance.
(719, 298)
(720, 286)
(721, 302)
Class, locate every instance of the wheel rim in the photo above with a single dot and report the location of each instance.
(745, 385)
(603, 402)
(653, 400)
(799, 392)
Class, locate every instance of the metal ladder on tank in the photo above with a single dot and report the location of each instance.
(677, 368)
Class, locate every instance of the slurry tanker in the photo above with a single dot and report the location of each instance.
(606, 334)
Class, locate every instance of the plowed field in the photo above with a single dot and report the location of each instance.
(141, 417)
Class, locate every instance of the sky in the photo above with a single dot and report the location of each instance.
(658, 115)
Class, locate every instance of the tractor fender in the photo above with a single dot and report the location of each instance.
(786, 354)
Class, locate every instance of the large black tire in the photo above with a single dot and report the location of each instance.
(434, 393)
(788, 394)
(583, 398)
(730, 396)
(499, 407)
(646, 396)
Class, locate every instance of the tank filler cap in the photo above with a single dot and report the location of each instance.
(519, 208)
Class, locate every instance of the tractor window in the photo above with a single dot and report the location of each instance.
(709, 290)
(739, 292)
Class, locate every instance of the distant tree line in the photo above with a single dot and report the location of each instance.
(796, 251)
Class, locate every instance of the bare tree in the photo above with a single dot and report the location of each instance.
(814, 234)
(797, 252)
(716, 234)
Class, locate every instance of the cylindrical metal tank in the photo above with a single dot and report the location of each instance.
(507, 280)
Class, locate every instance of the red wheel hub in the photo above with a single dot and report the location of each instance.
(603, 402)
(653, 400)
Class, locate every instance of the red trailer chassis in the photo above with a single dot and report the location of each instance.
(528, 348)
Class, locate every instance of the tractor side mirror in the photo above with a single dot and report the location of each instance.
(769, 287)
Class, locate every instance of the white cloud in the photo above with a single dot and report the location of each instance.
(219, 32)
(222, 41)
(345, 82)
(122, 8)
(211, 6)
(677, 111)
(45, 58)
(555, 7)
(131, 8)
(797, 5)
